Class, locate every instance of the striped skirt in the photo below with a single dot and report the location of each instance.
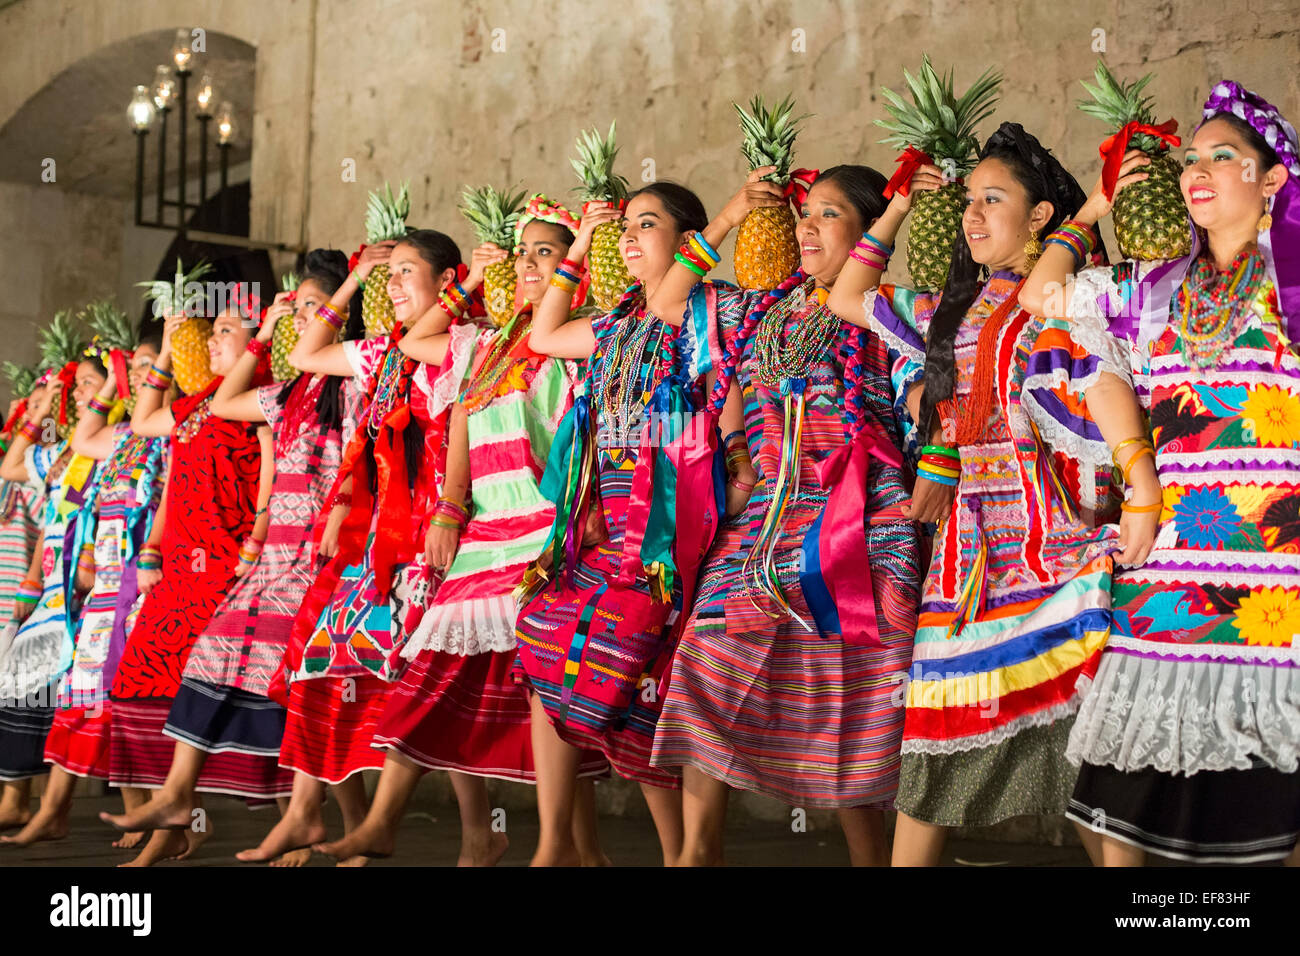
(764, 705)
(79, 740)
(330, 726)
(141, 754)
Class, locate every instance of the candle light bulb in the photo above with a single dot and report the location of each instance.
(205, 96)
(182, 53)
(164, 87)
(140, 110)
(225, 123)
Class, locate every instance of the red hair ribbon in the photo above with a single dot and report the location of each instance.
(801, 180)
(19, 411)
(356, 257)
(1113, 150)
(909, 161)
(67, 376)
(121, 374)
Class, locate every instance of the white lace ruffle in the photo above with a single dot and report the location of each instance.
(1040, 718)
(1188, 716)
(478, 626)
(460, 353)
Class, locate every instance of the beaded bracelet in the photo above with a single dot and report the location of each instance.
(257, 347)
(706, 251)
(329, 317)
(98, 407)
(341, 499)
(31, 431)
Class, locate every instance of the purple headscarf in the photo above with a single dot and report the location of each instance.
(1280, 244)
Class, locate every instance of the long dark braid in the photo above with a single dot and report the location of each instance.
(1045, 180)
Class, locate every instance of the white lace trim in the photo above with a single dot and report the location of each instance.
(1188, 716)
(1093, 455)
(1040, 718)
(460, 353)
(477, 626)
(906, 349)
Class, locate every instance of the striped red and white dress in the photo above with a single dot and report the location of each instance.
(757, 700)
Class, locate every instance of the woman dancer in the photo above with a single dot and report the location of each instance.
(129, 491)
(337, 665)
(782, 682)
(1190, 737)
(216, 477)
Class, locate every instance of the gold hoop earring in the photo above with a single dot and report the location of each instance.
(1033, 249)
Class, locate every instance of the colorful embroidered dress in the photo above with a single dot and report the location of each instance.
(23, 729)
(1015, 608)
(1190, 739)
(337, 663)
(211, 501)
(130, 487)
(763, 694)
(455, 706)
(627, 644)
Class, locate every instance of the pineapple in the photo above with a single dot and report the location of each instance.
(1150, 217)
(766, 249)
(21, 378)
(190, 361)
(62, 342)
(285, 336)
(494, 215)
(942, 125)
(595, 167)
(385, 219)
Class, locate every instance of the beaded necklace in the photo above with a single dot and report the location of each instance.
(498, 363)
(779, 358)
(388, 388)
(638, 357)
(1212, 303)
(193, 423)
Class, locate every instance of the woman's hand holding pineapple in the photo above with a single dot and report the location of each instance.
(371, 256)
(595, 216)
(281, 306)
(488, 254)
(756, 192)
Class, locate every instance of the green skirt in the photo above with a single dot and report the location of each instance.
(1026, 774)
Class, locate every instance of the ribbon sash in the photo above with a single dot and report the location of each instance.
(1113, 149)
(909, 161)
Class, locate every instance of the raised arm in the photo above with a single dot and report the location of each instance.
(1049, 288)
(236, 396)
(93, 436)
(668, 299)
(860, 275)
(554, 333)
(317, 351)
(152, 417)
(31, 432)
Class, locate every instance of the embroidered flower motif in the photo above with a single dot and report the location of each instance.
(1205, 518)
(1269, 617)
(1274, 414)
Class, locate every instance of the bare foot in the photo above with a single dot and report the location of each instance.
(11, 819)
(162, 845)
(298, 857)
(600, 859)
(483, 852)
(369, 840)
(354, 861)
(293, 832)
(193, 840)
(43, 826)
(129, 841)
(556, 857)
(162, 812)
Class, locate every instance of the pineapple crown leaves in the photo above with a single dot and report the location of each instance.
(109, 325)
(1117, 103)
(22, 378)
(61, 341)
(493, 214)
(595, 167)
(937, 121)
(768, 136)
(386, 214)
(289, 282)
(179, 295)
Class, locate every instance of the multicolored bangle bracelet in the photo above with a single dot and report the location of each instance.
(329, 317)
(98, 407)
(706, 251)
(31, 431)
